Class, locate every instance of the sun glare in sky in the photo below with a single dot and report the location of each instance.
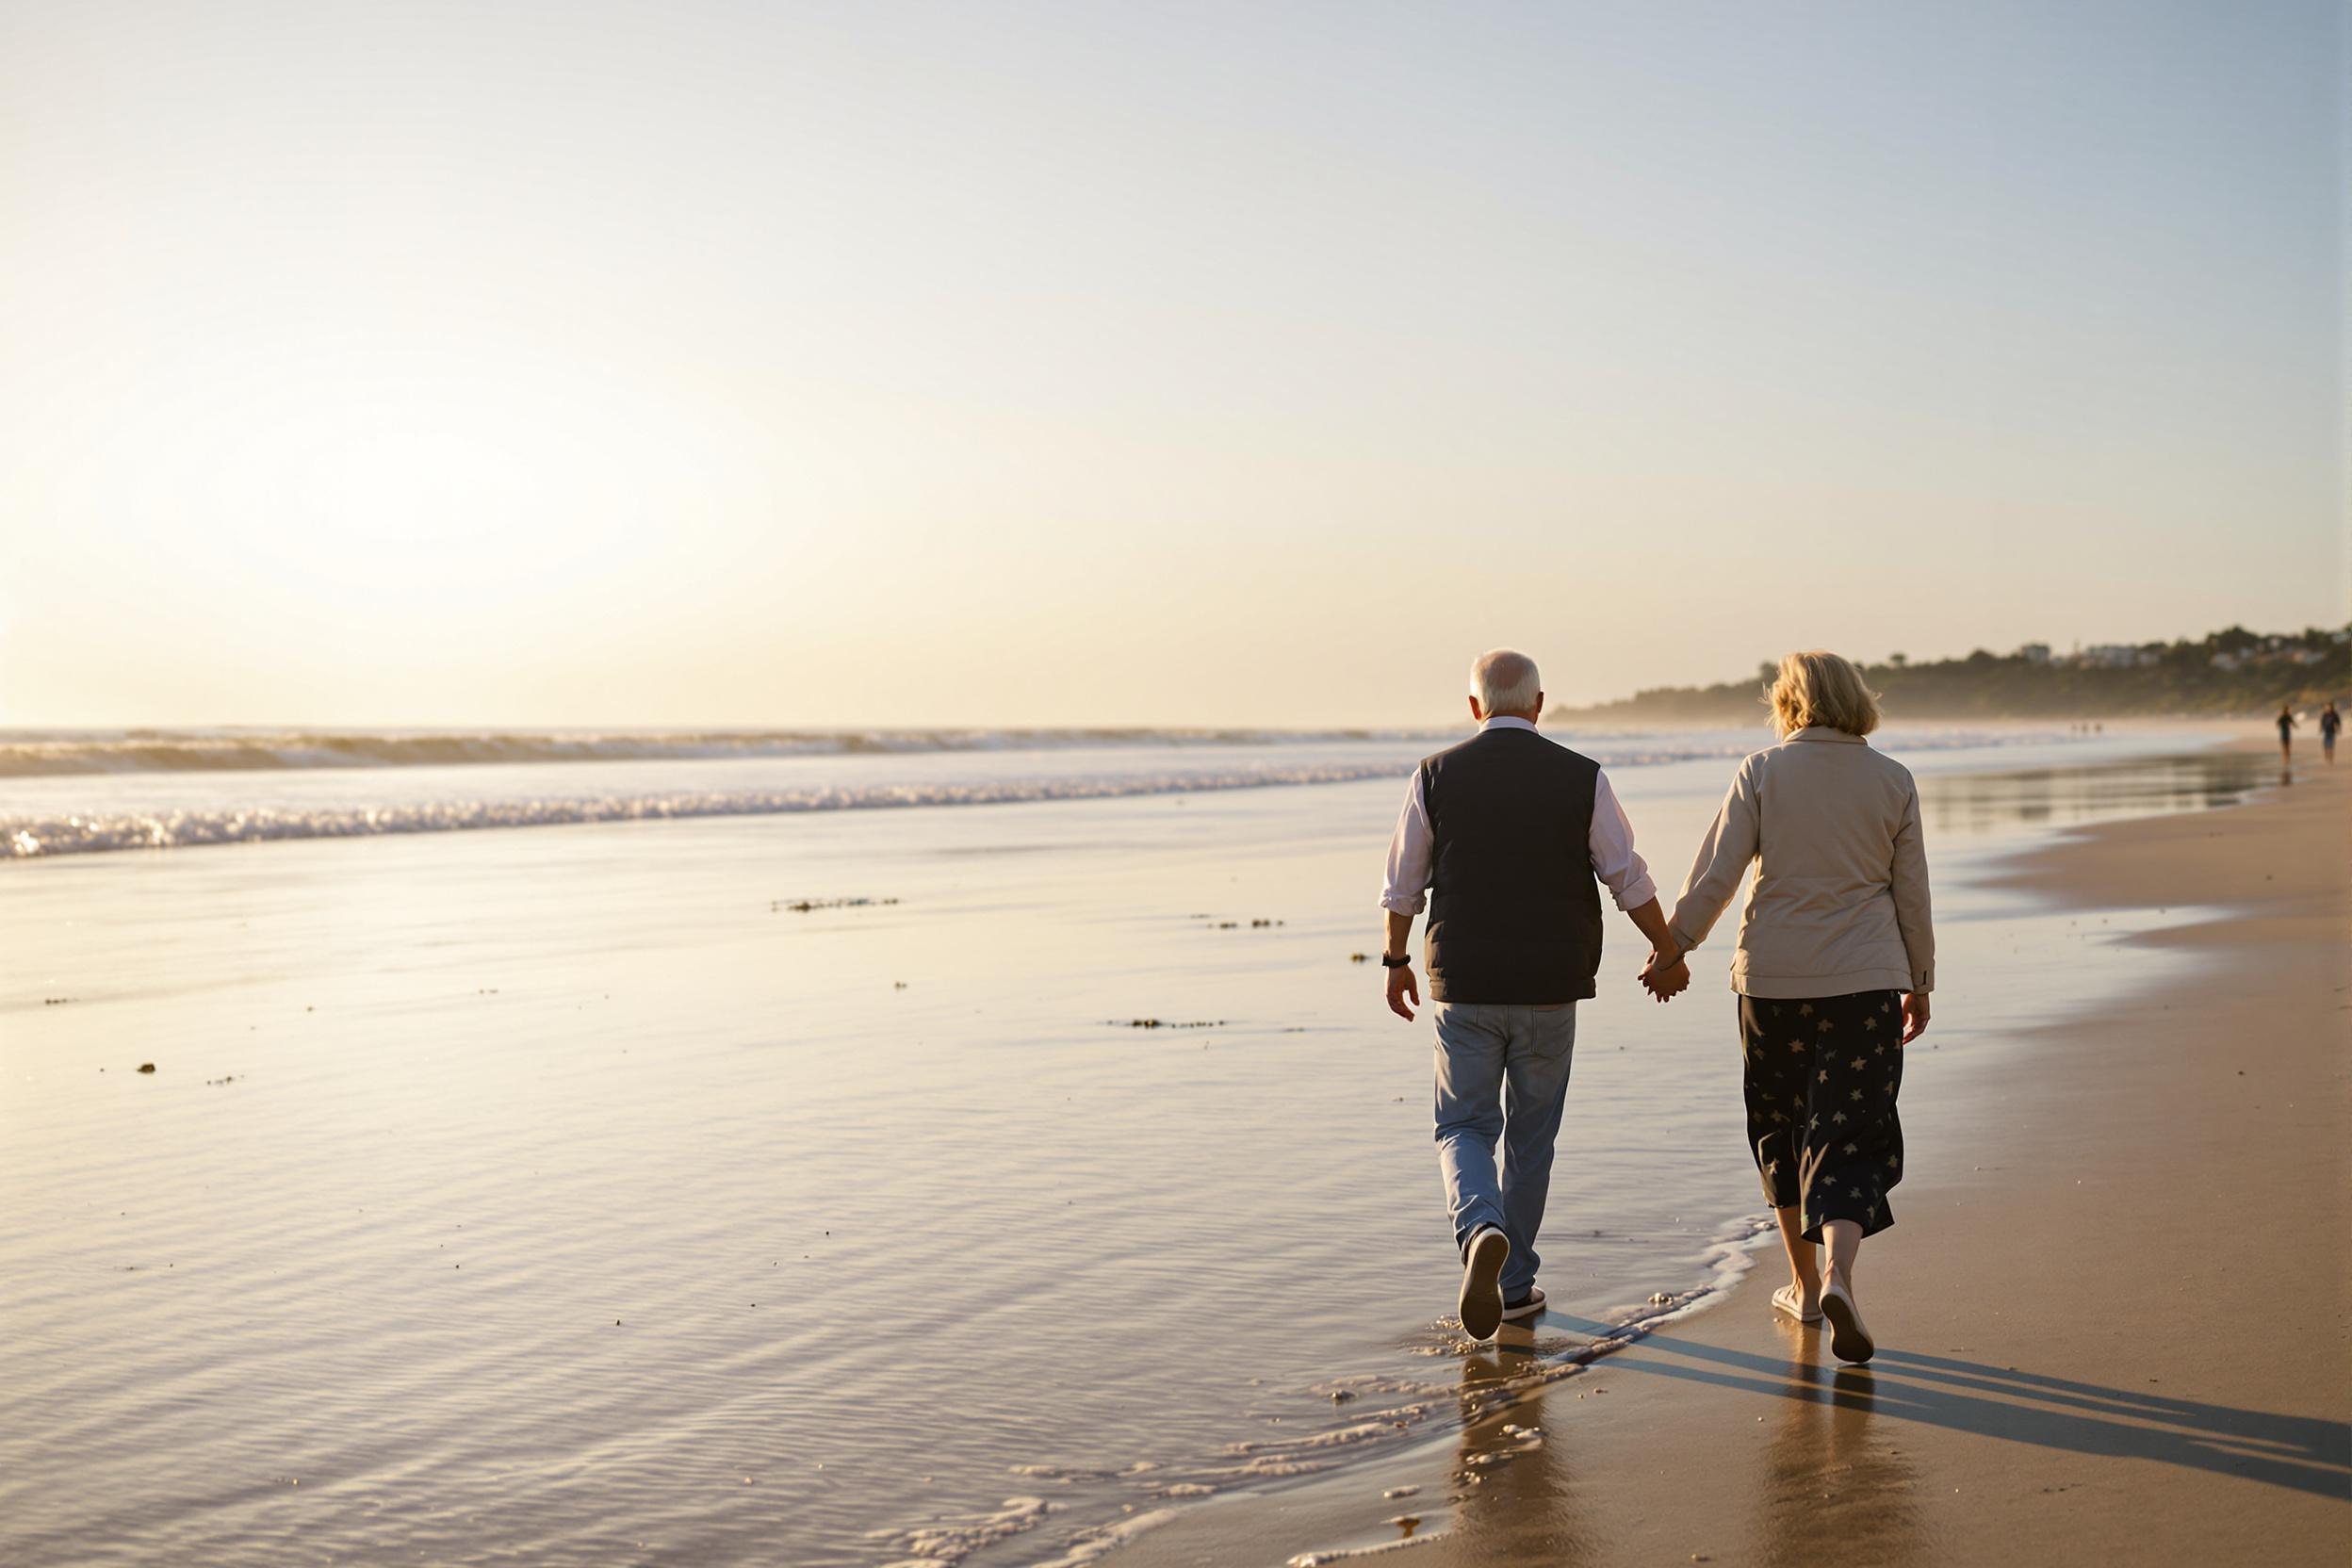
(953, 364)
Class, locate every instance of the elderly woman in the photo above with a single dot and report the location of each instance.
(1834, 964)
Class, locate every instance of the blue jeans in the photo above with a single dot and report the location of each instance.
(1502, 1075)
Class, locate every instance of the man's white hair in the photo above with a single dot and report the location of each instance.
(1505, 681)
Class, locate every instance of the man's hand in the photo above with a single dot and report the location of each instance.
(1402, 986)
(1665, 974)
(1665, 978)
(1913, 1016)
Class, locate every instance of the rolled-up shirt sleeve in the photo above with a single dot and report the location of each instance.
(1409, 854)
(1615, 861)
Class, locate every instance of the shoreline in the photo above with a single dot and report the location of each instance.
(53, 816)
(2096, 1403)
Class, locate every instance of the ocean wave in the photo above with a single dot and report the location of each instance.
(97, 832)
(32, 754)
(36, 754)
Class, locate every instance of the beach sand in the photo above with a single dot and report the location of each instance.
(2114, 1318)
(798, 1188)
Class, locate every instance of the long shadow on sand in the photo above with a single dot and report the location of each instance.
(2292, 1451)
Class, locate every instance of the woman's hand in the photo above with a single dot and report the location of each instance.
(1665, 976)
(1913, 1016)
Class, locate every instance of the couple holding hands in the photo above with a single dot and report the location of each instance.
(1507, 838)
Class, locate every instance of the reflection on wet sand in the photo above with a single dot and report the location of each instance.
(1833, 1471)
(1515, 1491)
(1974, 803)
(1837, 1470)
(1838, 1464)
(1833, 1468)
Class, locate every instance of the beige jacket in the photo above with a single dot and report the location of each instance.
(1840, 898)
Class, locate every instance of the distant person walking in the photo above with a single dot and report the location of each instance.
(1834, 964)
(1506, 840)
(2286, 734)
(2330, 723)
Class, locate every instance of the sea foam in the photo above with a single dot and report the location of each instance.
(86, 793)
(53, 753)
(99, 831)
(37, 754)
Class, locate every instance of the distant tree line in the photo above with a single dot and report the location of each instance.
(2235, 673)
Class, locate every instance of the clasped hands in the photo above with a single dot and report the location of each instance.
(1666, 974)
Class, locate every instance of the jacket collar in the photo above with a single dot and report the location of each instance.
(1825, 732)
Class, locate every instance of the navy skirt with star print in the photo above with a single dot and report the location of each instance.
(1821, 1076)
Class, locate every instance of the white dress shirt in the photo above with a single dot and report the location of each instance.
(1614, 860)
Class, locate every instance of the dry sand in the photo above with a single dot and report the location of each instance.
(2116, 1317)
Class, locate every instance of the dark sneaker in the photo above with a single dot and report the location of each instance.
(1481, 1301)
(1530, 1305)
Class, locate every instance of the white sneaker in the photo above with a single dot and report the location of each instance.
(1482, 1303)
(1531, 1306)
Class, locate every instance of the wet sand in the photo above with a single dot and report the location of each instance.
(2114, 1318)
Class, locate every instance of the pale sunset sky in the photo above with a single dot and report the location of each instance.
(883, 363)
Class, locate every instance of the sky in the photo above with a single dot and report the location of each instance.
(967, 364)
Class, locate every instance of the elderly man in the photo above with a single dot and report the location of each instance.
(1511, 835)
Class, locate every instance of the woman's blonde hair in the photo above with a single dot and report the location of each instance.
(1819, 688)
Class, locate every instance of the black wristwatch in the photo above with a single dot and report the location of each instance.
(1387, 963)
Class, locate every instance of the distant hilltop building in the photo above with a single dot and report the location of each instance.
(2271, 653)
(2113, 656)
(2034, 653)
